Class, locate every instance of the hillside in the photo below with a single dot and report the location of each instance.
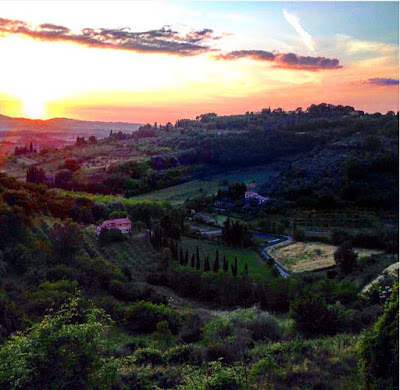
(8, 123)
(168, 306)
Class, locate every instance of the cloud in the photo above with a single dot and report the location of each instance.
(382, 81)
(164, 40)
(294, 21)
(284, 60)
(355, 46)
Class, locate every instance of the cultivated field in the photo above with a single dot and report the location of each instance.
(310, 256)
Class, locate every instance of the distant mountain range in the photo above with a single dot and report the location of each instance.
(63, 125)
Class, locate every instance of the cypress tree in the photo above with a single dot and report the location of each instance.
(216, 264)
(192, 261)
(186, 257)
(246, 269)
(197, 262)
(181, 259)
(197, 257)
(208, 263)
(234, 267)
(226, 265)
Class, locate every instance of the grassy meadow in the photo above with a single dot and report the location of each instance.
(258, 270)
(180, 193)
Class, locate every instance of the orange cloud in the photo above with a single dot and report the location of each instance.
(284, 60)
(164, 40)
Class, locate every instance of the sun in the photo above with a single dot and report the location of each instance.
(33, 107)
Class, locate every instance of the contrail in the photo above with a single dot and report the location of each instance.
(295, 23)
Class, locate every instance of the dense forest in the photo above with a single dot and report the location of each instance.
(162, 156)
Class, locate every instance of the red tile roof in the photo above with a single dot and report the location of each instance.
(114, 223)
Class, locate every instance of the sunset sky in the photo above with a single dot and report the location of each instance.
(160, 61)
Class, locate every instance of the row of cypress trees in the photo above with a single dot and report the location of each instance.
(159, 240)
(183, 257)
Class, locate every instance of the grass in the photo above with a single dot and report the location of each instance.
(392, 269)
(302, 364)
(258, 270)
(135, 251)
(107, 198)
(310, 256)
(181, 192)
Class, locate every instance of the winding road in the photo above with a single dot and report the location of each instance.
(263, 251)
(267, 256)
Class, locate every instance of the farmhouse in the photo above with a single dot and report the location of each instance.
(253, 195)
(123, 224)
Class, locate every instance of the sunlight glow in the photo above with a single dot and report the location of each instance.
(33, 107)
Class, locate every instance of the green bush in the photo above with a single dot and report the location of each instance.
(213, 376)
(262, 325)
(218, 331)
(313, 317)
(143, 317)
(191, 330)
(50, 294)
(9, 317)
(144, 356)
(64, 351)
(180, 354)
(379, 348)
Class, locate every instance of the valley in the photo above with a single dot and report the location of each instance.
(249, 254)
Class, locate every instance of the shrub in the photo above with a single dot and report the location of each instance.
(64, 351)
(213, 376)
(144, 356)
(144, 316)
(180, 354)
(224, 340)
(379, 291)
(345, 258)
(263, 327)
(191, 330)
(110, 235)
(218, 331)
(9, 317)
(50, 294)
(313, 317)
(379, 348)
(66, 240)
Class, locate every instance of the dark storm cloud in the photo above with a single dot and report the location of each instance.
(284, 60)
(164, 40)
(382, 81)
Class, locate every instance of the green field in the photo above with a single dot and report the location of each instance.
(106, 198)
(181, 192)
(258, 270)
